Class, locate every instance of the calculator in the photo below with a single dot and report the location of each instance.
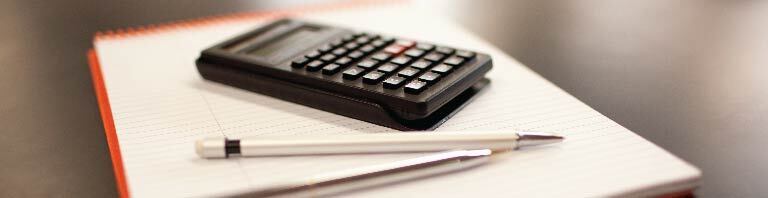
(390, 81)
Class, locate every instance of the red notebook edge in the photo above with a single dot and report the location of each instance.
(109, 124)
(98, 80)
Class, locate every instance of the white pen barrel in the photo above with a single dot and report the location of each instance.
(376, 143)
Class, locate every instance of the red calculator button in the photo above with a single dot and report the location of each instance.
(394, 49)
(405, 43)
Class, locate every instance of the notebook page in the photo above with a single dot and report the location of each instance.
(161, 105)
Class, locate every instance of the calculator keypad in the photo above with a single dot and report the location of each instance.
(395, 64)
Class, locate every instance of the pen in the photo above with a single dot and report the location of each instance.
(369, 143)
(377, 175)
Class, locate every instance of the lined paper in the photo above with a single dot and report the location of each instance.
(161, 105)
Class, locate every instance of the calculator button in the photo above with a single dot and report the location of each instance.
(378, 43)
(355, 55)
(343, 61)
(325, 48)
(315, 65)
(348, 37)
(327, 57)
(408, 72)
(434, 57)
(394, 49)
(415, 87)
(421, 64)
(353, 73)
(373, 77)
(454, 61)
(367, 49)
(400, 60)
(373, 36)
(362, 40)
(465, 54)
(442, 69)
(312, 55)
(425, 47)
(339, 51)
(414, 52)
(393, 82)
(351, 46)
(336, 43)
(298, 63)
(387, 39)
(381, 56)
(429, 77)
(444, 50)
(367, 63)
(331, 69)
(405, 43)
(387, 68)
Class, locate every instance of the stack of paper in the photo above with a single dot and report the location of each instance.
(160, 106)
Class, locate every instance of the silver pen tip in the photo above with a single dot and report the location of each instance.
(530, 138)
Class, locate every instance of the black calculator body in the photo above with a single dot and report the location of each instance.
(394, 82)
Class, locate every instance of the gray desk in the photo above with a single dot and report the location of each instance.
(687, 75)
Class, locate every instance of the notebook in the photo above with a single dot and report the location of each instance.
(155, 105)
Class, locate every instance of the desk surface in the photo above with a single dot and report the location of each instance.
(689, 76)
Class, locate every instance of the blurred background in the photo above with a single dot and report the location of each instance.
(689, 76)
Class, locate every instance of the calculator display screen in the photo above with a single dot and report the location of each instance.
(286, 45)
